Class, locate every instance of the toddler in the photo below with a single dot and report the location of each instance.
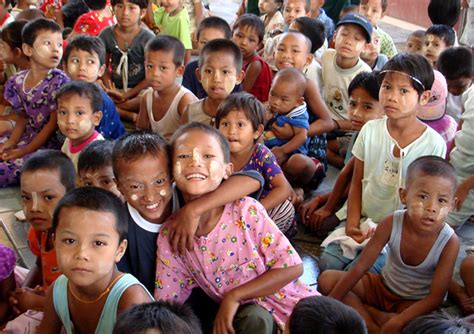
(32, 95)
(372, 55)
(220, 69)
(210, 28)
(94, 167)
(382, 152)
(90, 228)
(438, 37)
(272, 17)
(251, 268)
(46, 177)
(319, 213)
(79, 113)
(248, 35)
(240, 118)
(162, 316)
(172, 19)
(375, 10)
(84, 60)
(456, 64)
(422, 250)
(163, 104)
(414, 42)
(125, 44)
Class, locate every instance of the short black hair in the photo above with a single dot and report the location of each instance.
(414, 65)
(252, 21)
(32, 29)
(136, 145)
(143, 4)
(11, 34)
(167, 317)
(368, 81)
(313, 29)
(252, 108)
(96, 4)
(432, 165)
(222, 45)
(456, 62)
(88, 90)
(94, 199)
(292, 76)
(324, 315)
(169, 44)
(195, 126)
(52, 160)
(444, 11)
(87, 43)
(384, 4)
(71, 12)
(214, 22)
(438, 322)
(96, 155)
(446, 33)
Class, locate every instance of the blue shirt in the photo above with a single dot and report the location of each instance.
(110, 126)
(328, 23)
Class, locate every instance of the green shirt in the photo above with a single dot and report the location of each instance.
(177, 26)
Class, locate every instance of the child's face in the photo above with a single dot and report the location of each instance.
(146, 185)
(6, 52)
(283, 97)
(294, 9)
(398, 97)
(414, 45)
(268, 6)
(428, 199)
(209, 34)
(363, 108)
(76, 119)
(372, 9)
(87, 246)
(372, 50)
(128, 14)
(246, 39)
(433, 46)
(198, 164)
(218, 74)
(84, 66)
(350, 41)
(41, 190)
(315, 5)
(160, 70)
(458, 86)
(47, 49)
(170, 5)
(292, 52)
(101, 178)
(238, 131)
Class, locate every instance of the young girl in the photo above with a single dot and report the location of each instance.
(382, 152)
(12, 59)
(248, 35)
(125, 44)
(272, 17)
(240, 258)
(90, 226)
(240, 118)
(32, 95)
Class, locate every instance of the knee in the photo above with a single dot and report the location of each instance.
(326, 281)
(254, 319)
(467, 267)
(328, 261)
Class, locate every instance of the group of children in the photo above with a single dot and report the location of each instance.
(197, 206)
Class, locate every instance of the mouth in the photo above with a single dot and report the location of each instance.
(356, 124)
(285, 64)
(37, 221)
(152, 206)
(55, 58)
(427, 221)
(196, 177)
(217, 90)
(80, 270)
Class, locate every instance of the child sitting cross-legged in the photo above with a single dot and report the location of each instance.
(422, 250)
(240, 118)
(90, 227)
(240, 258)
(79, 113)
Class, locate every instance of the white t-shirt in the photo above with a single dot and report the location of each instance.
(336, 80)
(454, 106)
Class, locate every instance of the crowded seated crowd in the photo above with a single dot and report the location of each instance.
(166, 159)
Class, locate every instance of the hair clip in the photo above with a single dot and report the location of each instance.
(406, 74)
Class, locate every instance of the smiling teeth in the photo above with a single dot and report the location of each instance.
(152, 206)
(195, 176)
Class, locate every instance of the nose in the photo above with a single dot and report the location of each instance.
(197, 159)
(432, 204)
(149, 193)
(217, 76)
(81, 251)
(35, 207)
(70, 119)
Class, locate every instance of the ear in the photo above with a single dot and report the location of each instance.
(27, 49)
(121, 250)
(425, 97)
(309, 59)
(240, 77)
(228, 170)
(403, 195)
(198, 74)
(97, 117)
(142, 13)
(180, 70)
(259, 132)
(16, 52)
(101, 71)
(300, 100)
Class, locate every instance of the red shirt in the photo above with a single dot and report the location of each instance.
(261, 87)
(92, 23)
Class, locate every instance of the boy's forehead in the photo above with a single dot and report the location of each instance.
(133, 167)
(76, 51)
(353, 28)
(44, 180)
(219, 59)
(373, 3)
(295, 3)
(211, 31)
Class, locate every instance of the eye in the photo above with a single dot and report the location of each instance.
(49, 197)
(224, 124)
(209, 156)
(160, 181)
(149, 67)
(62, 112)
(99, 243)
(163, 68)
(443, 201)
(69, 241)
(241, 124)
(352, 104)
(74, 61)
(25, 198)
(183, 156)
(80, 113)
(47, 43)
(87, 184)
(91, 61)
(404, 90)
(207, 71)
(226, 72)
(368, 107)
(423, 196)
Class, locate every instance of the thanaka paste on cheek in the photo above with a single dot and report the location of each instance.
(215, 169)
(177, 170)
(85, 125)
(134, 197)
(416, 208)
(229, 83)
(163, 193)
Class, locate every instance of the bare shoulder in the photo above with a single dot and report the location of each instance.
(133, 295)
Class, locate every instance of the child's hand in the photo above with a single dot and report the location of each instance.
(115, 95)
(6, 146)
(392, 326)
(23, 299)
(183, 228)
(13, 154)
(225, 316)
(468, 306)
(317, 217)
(307, 208)
(358, 235)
